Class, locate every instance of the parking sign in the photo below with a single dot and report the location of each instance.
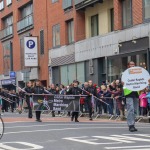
(30, 52)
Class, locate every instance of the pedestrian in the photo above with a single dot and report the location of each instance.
(143, 102)
(132, 103)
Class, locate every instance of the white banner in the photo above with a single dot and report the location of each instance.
(135, 78)
(30, 51)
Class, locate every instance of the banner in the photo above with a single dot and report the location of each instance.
(56, 102)
(30, 52)
(135, 78)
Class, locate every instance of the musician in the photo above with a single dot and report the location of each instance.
(75, 90)
(29, 91)
(12, 96)
(38, 89)
(92, 91)
(4, 102)
(53, 91)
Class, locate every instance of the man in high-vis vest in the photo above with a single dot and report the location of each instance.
(132, 103)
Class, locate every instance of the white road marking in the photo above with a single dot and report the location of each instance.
(82, 128)
(129, 147)
(30, 146)
(59, 125)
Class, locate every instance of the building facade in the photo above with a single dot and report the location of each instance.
(77, 39)
(20, 18)
(116, 31)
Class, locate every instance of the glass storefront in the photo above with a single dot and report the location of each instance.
(117, 65)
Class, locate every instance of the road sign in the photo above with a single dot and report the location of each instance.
(30, 51)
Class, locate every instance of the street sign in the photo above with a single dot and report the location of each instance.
(12, 74)
(135, 78)
(30, 51)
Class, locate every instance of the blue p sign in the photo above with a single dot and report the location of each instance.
(30, 44)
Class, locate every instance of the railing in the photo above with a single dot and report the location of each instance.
(25, 23)
(6, 32)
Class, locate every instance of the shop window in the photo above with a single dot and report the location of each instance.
(56, 35)
(94, 26)
(127, 13)
(70, 25)
(146, 9)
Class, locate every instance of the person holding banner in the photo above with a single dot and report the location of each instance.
(29, 91)
(38, 89)
(134, 80)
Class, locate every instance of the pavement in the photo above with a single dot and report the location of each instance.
(60, 133)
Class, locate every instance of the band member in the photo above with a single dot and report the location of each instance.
(132, 103)
(53, 91)
(75, 90)
(4, 102)
(92, 91)
(38, 89)
(12, 96)
(29, 91)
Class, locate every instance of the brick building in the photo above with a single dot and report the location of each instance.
(77, 39)
(116, 31)
(20, 18)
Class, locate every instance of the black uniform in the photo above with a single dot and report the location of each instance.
(90, 90)
(38, 90)
(75, 91)
(29, 90)
(53, 91)
(5, 104)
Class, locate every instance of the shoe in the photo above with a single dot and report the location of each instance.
(72, 119)
(30, 117)
(38, 120)
(53, 115)
(76, 120)
(132, 129)
(91, 119)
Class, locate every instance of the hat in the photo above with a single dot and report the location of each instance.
(75, 81)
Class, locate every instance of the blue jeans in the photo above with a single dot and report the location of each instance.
(132, 110)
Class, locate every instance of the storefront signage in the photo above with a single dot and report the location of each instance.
(8, 81)
(30, 51)
(135, 78)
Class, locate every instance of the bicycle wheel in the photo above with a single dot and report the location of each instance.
(1, 127)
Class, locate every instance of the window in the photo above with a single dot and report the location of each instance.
(42, 42)
(53, 1)
(146, 9)
(26, 11)
(8, 21)
(56, 35)
(8, 2)
(94, 26)
(67, 4)
(112, 19)
(2, 5)
(7, 58)
(70, 25)
(127, 13)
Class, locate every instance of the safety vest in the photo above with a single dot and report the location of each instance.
(127, 92)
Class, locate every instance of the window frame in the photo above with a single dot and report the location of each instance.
(96, 15)
(56, 46)
(128, 26)
(72, 32)
(145, 20)
(42, 47)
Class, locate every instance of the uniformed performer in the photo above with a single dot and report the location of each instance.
(29, 91)
(75, 90)
(38, 89)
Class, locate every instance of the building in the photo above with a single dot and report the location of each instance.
(116, 31)
(77, 39)
(20, 18)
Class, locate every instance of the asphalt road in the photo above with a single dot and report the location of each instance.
(74, 136)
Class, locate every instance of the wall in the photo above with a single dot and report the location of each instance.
(103, 12)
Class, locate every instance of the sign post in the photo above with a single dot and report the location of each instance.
(30, 52)
(135, 78)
